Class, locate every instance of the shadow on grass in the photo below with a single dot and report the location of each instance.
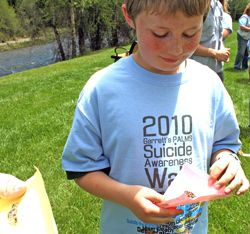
(245, 131)
(242, 76)
(243, 81)
(231, 69)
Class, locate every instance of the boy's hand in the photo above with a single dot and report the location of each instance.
(228, 171)
(142, 202)
(11, 187)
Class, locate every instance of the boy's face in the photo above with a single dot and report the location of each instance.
(165, 41)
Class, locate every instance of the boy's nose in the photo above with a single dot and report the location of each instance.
(175, 46)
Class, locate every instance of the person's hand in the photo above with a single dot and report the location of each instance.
(142, 201)
(11, 187)
(223, 55)
(228, 171)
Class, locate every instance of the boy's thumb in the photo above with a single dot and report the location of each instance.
(11, 187)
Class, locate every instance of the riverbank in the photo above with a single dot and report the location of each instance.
(22, 42)
(16, 41)
(45, 36)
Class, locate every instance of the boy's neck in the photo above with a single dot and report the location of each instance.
(182, 66)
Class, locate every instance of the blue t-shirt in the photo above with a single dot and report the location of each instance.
(145, 127)
(244, 20)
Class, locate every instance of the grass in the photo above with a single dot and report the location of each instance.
(37, 109)
(232, 215)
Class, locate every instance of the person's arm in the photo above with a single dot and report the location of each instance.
(11, 187)
(140, 200)
(220, 55)
(243, 23)
(205, 51)
(226, 168)
(245, 28)
(226, 33)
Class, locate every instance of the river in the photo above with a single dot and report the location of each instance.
(26, 58)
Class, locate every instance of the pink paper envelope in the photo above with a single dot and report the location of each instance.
(191, 185)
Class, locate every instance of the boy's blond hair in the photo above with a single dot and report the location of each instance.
(188, 7)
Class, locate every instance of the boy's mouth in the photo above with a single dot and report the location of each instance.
(170, 60)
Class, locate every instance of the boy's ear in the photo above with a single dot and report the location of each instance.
(127, 17)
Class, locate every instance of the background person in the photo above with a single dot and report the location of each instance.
(227, 22)
(248, 49)
(243, 35)
(211, 51)
(122, 146)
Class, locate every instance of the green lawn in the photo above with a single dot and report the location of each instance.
(37, 108)
(233, 215)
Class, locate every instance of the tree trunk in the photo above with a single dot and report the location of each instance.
(96, 39)
(73, 29)
(114, 40)
(81, 25)
(81, 40)
(114, 31)
(59, 42)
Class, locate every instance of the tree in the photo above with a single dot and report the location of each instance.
(9, 23)
(103, 18)
(72, 27)
(39, 14)
(120, 32)
(237, 7)
(99, 22)
(53, 17)
(12, 3)
(31, 14)
(81, 29)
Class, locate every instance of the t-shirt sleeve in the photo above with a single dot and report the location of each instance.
(227, 22)
(227, 131)
(243, 21)
(75, 174)
(83, 151)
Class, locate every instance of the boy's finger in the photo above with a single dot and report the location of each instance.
(229, 174)
(11, 187)
(244, 188)
(218, 168)
(236, 182)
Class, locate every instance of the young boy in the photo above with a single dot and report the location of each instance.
(138, 121)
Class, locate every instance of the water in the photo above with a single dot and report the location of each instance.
(36, 56)
(26, 58)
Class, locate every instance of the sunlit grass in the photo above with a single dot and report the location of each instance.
(37, 108)
(232, 215)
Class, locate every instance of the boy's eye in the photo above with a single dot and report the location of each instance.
(159, 35)
(189, 36)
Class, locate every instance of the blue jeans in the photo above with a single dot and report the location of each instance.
(242, 54)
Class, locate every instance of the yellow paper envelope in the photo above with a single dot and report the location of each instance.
(30, 213)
